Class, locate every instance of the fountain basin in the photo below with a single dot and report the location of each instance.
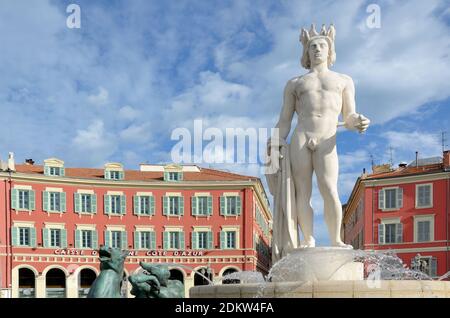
(328, 289)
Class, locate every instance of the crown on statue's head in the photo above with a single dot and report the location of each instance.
(307, 36)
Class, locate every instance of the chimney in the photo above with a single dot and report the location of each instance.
(446, 160)
(29, 162)
(402, 164)
(417, 159)
(11, 164)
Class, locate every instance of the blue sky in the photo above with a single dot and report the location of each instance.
(116, 88)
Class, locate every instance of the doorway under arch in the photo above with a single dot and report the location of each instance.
(86, 278)
(55, 283)
(199, 280)
(177, 274)
(27, 283)
(230, 281)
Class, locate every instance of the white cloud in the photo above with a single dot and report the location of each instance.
(99, 99)
(128, 113)
(136, 133)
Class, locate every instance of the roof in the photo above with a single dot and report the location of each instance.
(205, 174)
(426, 161)
(407, 171)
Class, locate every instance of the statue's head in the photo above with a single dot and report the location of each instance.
(318, 47)
(112, 258)
(159, 271)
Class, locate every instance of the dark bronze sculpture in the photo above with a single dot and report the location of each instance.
(154, 282)
(109, 283)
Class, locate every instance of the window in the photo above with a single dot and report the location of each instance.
(173, 176)
(24, 236)
(230, 205)
(55, 201)
(390, 232)
(115, 204)
(114, 175)
(86, 239)
(116, 239)
(202, 240)
(424, 196)
(230, 239)
(201, 205)
(145, 242)
(55, 238)
(174, 240)
(425, 264)
(423, 231)
(86, 203)
(390, 198)
(54, 171)
(174, 205)
(24, 199)
(144, 205)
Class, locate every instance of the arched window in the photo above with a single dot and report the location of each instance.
(55, 283)
(27, 281)
(86, 278)
(201, 275)
(176, 274)
(230, 281)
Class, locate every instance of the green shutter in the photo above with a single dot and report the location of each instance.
(94, 240)
(124, 239)
(166, 241)
(62, 202)
(62, 171)
(137, 240)
(380, 233)
(381, 199)
(32, 237)
(45, 237)
(165, 205)
(136, 202)
(166, 176)
(223, 240)
(153, 240)
(77, 239)
(180, 176)
(107, 174)
(399, 198)
(108, 238)
(181, 206)
(77, 199)
(121, 175)
(194, 205)
(152, 205)
(94, 203)
(15, 236)
(63, 238)
(46, 170)
(45, 199)
(14, 199)
(194, 238)
(181, 241)
(238, 205)
(210, 200)
(32, 200)
(123, 204)
(210, 240)
(107, 204)
(223, 205)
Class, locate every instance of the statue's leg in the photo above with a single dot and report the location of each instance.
(326, 167)
(302, 170)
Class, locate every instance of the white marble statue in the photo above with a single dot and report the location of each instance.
(318, 97)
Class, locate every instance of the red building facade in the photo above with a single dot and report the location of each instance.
(53, 220)
(406, 210)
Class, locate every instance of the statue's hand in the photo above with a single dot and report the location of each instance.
(357, 122)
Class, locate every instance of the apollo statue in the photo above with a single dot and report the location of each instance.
(318, 98)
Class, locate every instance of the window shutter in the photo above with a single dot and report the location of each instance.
(15, 236)
(15, 199)
(63, 238)
(238, 205)
(107, 174)
(94, 203)
(181, 206)
(223, 206)
(194, 241)
(123, 204)
(210, 240)
(209, 211)
(223, 240)
(399, 233)
(94, 240)
(433, 267)
(380, 233)
(166, 176)
(381, 199)
(136, 203)
(180, 176)
(399, 198)
(165, 205)
(62, 201)
(152, 205)
(166, 241)
(45, 198)
(153, 240)
(181, 247)
(121, 175)
(77, 199)
(32, 237)
(45, 237)
(46, 170)
(62, 171)
(194, 205)
(137, 240)
(108, 238)
(32, 200)
(124, 239)
(78, 239)
(107, 204)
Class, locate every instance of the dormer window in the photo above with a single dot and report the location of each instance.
(114, 171)
(173, 173)
(54, 167)
(174, 176)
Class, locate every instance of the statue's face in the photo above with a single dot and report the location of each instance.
(318, 51)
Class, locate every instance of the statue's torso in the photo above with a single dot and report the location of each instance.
(319, 102)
